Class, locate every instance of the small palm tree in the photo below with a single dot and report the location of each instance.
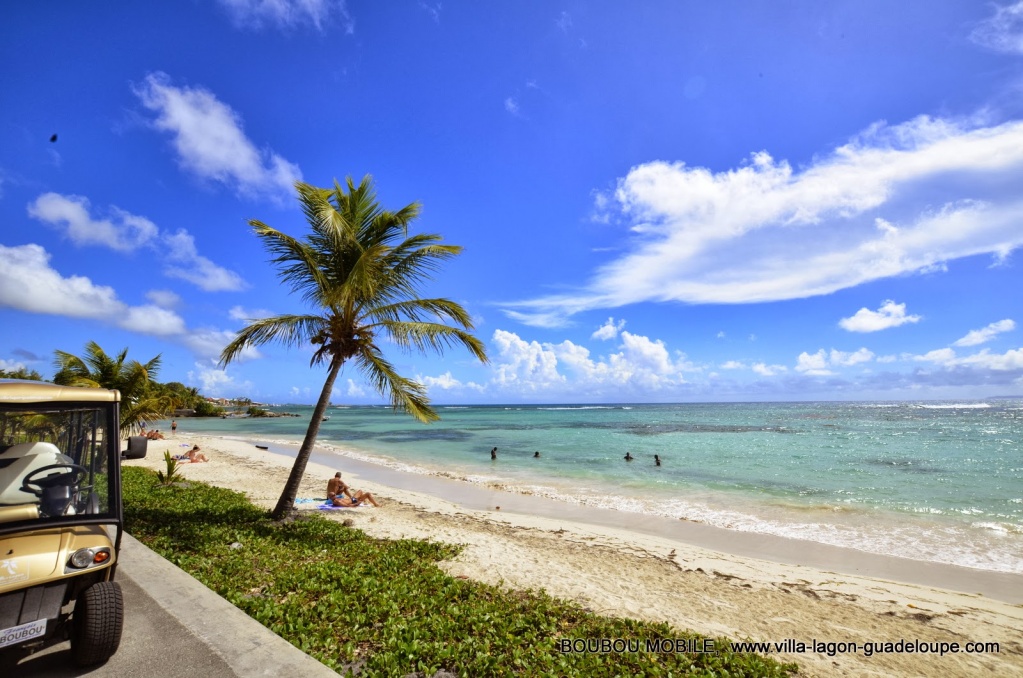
(140, 402)
(362, 273)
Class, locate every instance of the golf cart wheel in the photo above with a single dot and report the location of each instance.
(96, 624)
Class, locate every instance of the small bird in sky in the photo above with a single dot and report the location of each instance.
(53, 138)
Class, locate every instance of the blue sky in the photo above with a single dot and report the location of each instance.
(658, 201)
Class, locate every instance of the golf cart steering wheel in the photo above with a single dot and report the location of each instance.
(72, 478)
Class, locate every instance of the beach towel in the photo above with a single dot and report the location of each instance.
(328, 506)
(306, 500)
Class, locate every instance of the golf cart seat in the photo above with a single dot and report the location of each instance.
(17, 462)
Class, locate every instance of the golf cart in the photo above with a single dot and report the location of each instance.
(60, 518)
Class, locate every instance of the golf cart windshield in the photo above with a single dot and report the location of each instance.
(55, 461)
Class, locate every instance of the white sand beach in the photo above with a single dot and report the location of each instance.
(805, 595)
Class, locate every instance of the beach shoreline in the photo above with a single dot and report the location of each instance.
(692, 576)
(874, 479)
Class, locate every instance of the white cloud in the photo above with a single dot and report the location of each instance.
(209, 140)
(733, 365)
(163, 298)
(1010, 360)
(608, 330)
(521, 363)
(152, 320)
(354, 390)
(985, 360)
(564, 22)
(511, 105)
(813, 364)
(432, 10)
(11, 365)
(765, 370)
(194, 268)
(640, 366)
(209, 343)
(819, 363)
(446, 382)
(125, 233)
(888, 315)
(849, 359)
(942, 356)
(549, 320)
(216, 382)
(287, 14)
(29, 283)
(130, 232)
(981, 336)
(894, 200)
(248, 315)
(1003, 31)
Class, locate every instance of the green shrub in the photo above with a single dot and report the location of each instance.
(204, 408)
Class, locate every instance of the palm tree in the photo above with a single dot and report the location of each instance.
(140, 401)
(362, 273)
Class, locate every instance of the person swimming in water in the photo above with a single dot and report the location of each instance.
(628, 456)
(536, 455)
(657, 460)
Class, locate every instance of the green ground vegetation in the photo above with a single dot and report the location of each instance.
(384, 606)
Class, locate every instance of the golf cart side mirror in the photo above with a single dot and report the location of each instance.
(136, 448)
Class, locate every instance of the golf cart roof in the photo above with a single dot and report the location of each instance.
(24, 391)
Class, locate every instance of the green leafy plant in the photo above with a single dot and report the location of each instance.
(384, 606)
(141, 401)
(205, 408)
(172, 475)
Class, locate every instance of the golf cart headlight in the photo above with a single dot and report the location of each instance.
(83, 558)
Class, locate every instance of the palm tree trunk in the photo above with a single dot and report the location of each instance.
(286, 504)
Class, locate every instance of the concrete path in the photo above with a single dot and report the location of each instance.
(174, 627)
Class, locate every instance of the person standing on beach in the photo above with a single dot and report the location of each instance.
(174, 426)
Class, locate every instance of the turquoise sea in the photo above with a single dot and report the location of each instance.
(935, 481)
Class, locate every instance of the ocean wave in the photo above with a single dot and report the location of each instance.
(582, 407)
(970, 548)
(953, 406)
(999, 528)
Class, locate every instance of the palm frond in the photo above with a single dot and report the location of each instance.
(405, 394)
(289, 330)
(422, 310)
(297, 262)
(423, 337)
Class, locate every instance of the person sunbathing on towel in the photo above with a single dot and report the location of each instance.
(337, 491)
(195, 456)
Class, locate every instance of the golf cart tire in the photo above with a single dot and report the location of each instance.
(97, 623)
